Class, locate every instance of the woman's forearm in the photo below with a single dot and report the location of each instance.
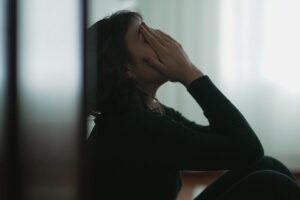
(226, 120)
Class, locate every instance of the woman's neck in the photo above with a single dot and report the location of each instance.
(151, 101)
(154, 105)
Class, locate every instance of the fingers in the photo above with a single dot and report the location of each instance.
(163, 38)
(156, 34)
(153, 41)
(168, 38)
(153, 32)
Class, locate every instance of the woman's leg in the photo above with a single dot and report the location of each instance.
(225, 181)
(263, 185)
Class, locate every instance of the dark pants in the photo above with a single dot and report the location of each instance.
(266, 179)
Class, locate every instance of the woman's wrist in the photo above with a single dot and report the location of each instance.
(192, 75)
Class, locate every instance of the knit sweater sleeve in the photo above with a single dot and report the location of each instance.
(178, 143)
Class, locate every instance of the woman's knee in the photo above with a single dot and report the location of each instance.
(264, 184)
(271, 163)
(280, 183)
(273, 160)
(269, 160)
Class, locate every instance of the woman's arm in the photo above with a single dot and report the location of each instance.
(228, 143)
(144, 139)
(177, 116)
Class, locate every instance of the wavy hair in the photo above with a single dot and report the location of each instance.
(110, 90)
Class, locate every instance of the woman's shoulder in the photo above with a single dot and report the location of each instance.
(171, 112)
(136, 117)
(127, 124)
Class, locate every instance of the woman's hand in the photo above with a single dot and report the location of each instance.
(173, 61)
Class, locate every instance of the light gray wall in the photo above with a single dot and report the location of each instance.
(101, 8)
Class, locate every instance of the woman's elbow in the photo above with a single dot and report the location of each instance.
(252, 153)
(257, 152)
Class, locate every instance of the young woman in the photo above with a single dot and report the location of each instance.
(139, 146)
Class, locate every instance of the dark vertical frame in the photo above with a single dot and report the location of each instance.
(12, 180)
(83, 118)
(53, 164)
(11, 130)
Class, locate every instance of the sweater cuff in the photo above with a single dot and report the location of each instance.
(197, 81)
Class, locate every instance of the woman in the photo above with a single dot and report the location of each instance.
(139, 146)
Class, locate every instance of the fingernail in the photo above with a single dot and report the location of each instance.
(145, 25)
(143, 28)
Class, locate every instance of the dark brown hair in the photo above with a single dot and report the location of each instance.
(110, 90)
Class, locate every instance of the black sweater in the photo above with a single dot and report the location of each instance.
(139, 155)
